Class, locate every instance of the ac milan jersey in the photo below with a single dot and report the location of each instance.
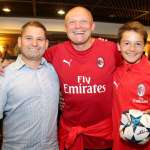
(131, 91)
(86, 81)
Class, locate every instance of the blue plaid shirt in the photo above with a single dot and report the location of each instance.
(29, 106)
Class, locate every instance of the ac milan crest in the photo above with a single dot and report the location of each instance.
(141, 90)
(100, 62)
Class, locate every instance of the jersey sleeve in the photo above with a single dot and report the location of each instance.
(48, 55)
(118, 57)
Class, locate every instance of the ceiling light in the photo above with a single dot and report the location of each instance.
(6, 9)
(61, 12)
(112, 16)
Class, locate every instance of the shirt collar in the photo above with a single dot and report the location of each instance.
(129, 66)
(20, 63)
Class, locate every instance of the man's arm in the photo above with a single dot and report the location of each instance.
(61, 102)
(1, 133)
(3, 95)
(1, 71)
(4, 64)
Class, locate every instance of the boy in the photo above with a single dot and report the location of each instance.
(128, 78)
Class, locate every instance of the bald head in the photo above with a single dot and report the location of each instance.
(81, 11)
(79, 26)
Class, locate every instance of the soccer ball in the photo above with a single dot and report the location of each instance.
(135, 126)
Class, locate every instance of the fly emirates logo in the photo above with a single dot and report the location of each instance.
(81, 88)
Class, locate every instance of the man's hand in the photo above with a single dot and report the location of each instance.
(61, 102)
(102, 39)
(4, 64)
(1, 71)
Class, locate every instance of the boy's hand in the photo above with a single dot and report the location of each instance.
(147, 111)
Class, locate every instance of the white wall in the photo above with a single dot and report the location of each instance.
(13, 25)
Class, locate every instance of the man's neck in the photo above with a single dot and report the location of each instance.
(84, 46)
(34, 64)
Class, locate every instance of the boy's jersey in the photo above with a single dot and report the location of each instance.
(131, 91)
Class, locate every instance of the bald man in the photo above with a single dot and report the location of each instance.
(85, 66)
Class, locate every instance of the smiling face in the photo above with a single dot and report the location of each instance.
(79, 26)
(131, 46)
(32, 43)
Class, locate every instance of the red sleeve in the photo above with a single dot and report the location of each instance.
(48, 54)
(118, 57)
(117, 54)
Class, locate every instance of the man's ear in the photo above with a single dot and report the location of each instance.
(118, 47)
(93, 26)
(47, 43)
(65, 27)
(19, 41)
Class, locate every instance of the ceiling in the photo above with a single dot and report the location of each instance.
(115, 11)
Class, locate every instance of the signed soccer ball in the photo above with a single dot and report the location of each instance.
(135, 126)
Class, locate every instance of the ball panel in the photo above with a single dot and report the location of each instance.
(141, 133)
(135, 112)
(128, 132)
(125, 119)
(145, 120)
